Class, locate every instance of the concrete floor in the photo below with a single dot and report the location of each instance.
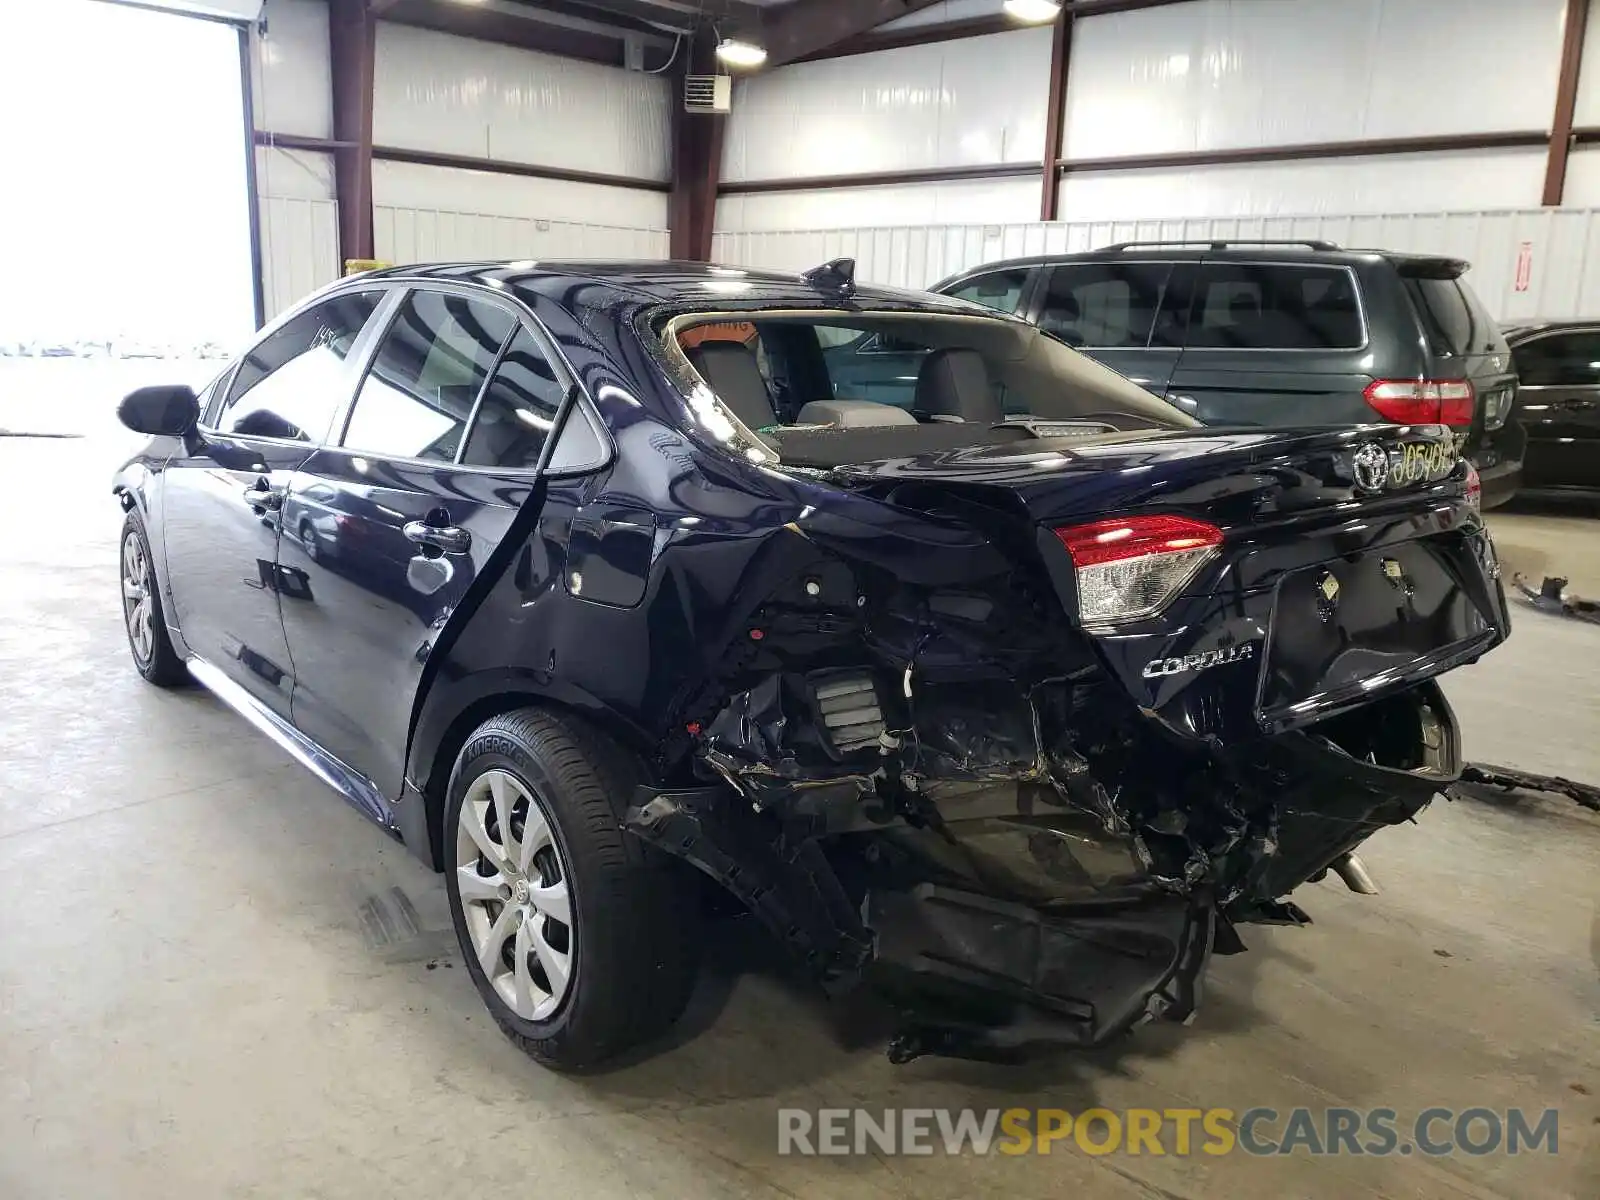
(216, 980)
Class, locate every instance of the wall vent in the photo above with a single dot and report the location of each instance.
(708, 94)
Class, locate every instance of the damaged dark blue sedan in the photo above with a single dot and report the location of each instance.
(983, 678)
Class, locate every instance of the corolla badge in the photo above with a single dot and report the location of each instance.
(1371, 468)
(1157, 668)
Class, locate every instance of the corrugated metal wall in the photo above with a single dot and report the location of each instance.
(1558, 249)
(407, 235)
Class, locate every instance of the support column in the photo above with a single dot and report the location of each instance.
(352, 51)
(696, 159)
(1055, 116)
(1555, 171)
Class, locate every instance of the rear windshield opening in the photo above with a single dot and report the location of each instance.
(956, 379)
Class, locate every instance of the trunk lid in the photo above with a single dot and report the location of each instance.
(1350, 563)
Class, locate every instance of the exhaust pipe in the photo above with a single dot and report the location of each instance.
(1353, 871)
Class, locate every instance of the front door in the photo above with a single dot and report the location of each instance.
(392, 524)
(1558, 404)
(222, 497)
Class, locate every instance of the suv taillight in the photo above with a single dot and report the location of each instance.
(1422, 401)
(1132, 567)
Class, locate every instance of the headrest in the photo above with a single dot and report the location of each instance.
(955, 383)
(852, 414)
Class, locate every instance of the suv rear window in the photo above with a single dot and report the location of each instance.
(1445, 314)
(1240, 306)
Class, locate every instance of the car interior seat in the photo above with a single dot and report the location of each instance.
(954, 385)
(732, 371)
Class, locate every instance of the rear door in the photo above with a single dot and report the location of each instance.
(224, 493)
(1109, 311)
(1558, 405)
(1275, 344)
(437, 454)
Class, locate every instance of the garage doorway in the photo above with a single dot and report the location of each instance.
(125, 231)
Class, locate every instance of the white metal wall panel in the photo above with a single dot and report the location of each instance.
(1561, 248)
(902, 204)
(410, 235)
(426, 214)
(299, 225)
(448, 189)
(459, 96)
(970, 102)
(289, 69)
(1376, 183)
(1227, 74)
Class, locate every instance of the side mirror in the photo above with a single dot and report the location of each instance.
(165, 411)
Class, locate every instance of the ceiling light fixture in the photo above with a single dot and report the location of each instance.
(1033, 12)
(737, 53)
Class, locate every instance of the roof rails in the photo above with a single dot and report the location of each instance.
(1223, 245)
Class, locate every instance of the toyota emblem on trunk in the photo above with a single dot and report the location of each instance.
(1371, 467)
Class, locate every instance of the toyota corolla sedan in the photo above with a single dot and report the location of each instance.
(1011, 702)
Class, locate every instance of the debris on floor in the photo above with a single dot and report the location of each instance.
(1586, 794)
(1552, 596)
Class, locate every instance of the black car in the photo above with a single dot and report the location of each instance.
(1281, 334)
(1012, 705)
(1558, 404)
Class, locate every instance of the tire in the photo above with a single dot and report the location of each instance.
(146, 626)
(308, 540)
(633, 937)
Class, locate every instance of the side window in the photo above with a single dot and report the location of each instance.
(518, 410)
(290, 385)
(426, 376)
(1106, 306)
(1560, 360)
(998, 289)
(1275, 307)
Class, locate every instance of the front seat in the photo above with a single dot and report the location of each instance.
(732, 372)
(953, 385)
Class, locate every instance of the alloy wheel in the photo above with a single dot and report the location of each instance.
(137, 609)
(515, 896)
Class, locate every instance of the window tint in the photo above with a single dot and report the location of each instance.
(1275, 308)
(518, 411)
(1448, 318)
(1561, 360)
(291, 384)
(1104, 305)
(998, 289)
(426, 376)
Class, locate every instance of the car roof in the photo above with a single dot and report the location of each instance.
(602, 284)
(1244, 251)
(1523, 329)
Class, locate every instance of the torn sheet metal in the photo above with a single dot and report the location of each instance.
(1586, 795)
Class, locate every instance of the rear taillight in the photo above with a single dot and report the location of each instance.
(1422, 401)
(1131, 568)
(1474, 487)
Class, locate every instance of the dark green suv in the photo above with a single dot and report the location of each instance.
(1280, 334)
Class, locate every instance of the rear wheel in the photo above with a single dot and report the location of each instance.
(142, 618)
(308, 539)
(580, 940)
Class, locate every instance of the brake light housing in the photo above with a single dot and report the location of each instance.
(1130, 568)
(1422, 401)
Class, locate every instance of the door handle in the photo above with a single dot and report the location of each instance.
(449, 538)
(1187, 403)
(262, 496)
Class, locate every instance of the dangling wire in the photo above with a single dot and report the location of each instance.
(677, 44)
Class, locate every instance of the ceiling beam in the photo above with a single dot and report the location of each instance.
(528, 28)
(806, 27)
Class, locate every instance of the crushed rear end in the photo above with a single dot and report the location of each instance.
(1024, 748)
